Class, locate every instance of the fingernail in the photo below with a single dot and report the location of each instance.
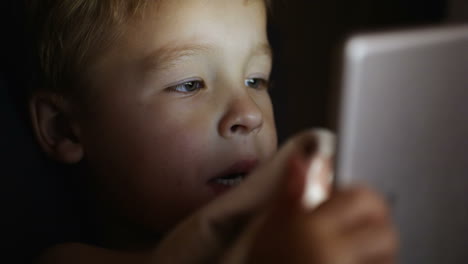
(319, 175)
(326, 143)
(316, 188)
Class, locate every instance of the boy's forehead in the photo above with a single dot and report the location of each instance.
(182, 31)
(174, 17)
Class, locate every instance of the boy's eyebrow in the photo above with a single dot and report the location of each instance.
(169, 55)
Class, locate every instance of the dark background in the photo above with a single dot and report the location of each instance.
(306, 36)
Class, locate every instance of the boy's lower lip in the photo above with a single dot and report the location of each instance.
(219, 189)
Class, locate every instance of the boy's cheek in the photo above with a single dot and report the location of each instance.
(158, 178)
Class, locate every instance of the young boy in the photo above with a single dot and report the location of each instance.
(163, 106)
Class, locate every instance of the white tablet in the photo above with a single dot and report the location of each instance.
(403, 128)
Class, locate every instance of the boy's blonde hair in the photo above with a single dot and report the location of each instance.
(71, 34)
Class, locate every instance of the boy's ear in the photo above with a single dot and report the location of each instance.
(55, 129)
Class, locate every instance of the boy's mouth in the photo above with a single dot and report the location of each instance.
(233, 176)
(230, 180)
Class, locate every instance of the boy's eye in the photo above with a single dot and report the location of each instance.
(256, 83)
(188, 86)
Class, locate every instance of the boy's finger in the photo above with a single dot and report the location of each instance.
(374, 242)
(348, 209)
(319, 175)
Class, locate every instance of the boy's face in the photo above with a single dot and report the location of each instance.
(180, 109)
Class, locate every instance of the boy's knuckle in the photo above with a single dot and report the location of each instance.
(374, 200)
(356, 195)
(336, 254)
(381, 207)
(319, 225)
(364, 192)
(388, 242)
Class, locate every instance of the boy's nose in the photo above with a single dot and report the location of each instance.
(242, 117)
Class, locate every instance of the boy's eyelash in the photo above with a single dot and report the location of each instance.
(189, 86)
(257, 83)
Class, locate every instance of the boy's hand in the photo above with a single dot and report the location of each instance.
(353, 227)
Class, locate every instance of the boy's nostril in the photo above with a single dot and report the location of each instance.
(235, 128)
